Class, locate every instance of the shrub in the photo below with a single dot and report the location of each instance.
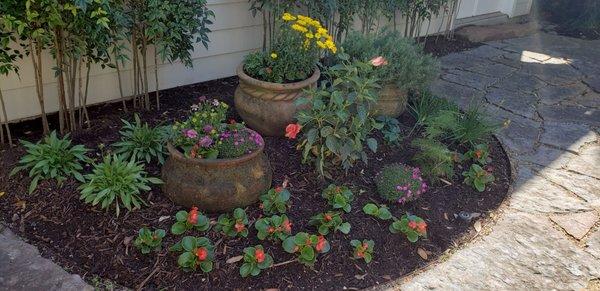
(470, 127)
(479, 154)
(190, 220)
(337, 123)
(141, 142)
(381, 212)
(295, 51)
(275, 200)
(274, 227)
(390, 129)
(52, 158)
(478, 177)
(360, 46)
(330, 221)
(338, 197)
(306, 247)
(196, 252)
(412, 226)
(363, 250)
(434, 158)
(400, 183)
(233, 225)
(255, 260)
(117, 182)
(426, 105)
(148, 241)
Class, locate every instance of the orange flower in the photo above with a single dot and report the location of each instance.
(412, 224)
(379, 61)
(201, 253)
(193, 216)
(278, 189)
(320, 244)
(239, 227)
(287, 226)
(292, 130)
(327, 217)
(260, 255)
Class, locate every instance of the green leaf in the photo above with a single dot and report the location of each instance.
(307, 253)
(370, 209)
(245, 270)
(178, 228)
(372, 143)
(188, 243)
(344, 227)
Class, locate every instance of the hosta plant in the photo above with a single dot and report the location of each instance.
(117, 182)
(196, 252)
(275, 201)
(141, 141)
(479, 154)
(190, 220)
(274, 227)
(412, 226)
(330, 221)
(400, 183)
(381, 212)
(148, 241)
(363, 249)
(306, 246)
(52, 158)
(478, 177)
(233, 225)
(255, 260)
(339, 197)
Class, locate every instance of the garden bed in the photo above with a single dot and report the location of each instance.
(91, 242)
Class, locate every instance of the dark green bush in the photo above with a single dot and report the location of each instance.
(141, 142)
(400, 183)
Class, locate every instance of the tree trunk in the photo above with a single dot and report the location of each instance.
(62, 108)
(120, 83)
(145, 64)
(36, 58)
(156, 77)
(5, 122)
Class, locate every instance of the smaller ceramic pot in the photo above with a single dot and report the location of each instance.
(392, 101)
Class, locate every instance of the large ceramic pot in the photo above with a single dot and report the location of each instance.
(216, 185)
(269, 107)
(392, 101)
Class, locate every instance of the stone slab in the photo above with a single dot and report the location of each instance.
(497, 32)
(576, 224)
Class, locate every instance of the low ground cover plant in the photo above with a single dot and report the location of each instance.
(52, 158)
(190, 220)
(479, 154)
(434, 158)
(306, 247)
(330, 221)
(116, 182)
(338, 197)
(363, 249)
(412, 226)
(196, 252)
(148, 241)
(233, 225)
(255, 260)
(275, 201)
(477, 177)
(468, 128)
(400, 183)
(274, 228)
(141, 142)
(381, 212)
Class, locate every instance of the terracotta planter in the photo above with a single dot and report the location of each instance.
(216, 185)
(269, 107)
(392, 101)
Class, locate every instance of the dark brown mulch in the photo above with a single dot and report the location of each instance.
(441, 46)
(91, 242)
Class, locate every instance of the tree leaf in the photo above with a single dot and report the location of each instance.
(422, 253)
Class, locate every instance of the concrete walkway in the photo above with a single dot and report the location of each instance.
(547, 236)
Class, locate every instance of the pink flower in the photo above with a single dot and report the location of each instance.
(205, 141)
(190, 133)
(292, 130)
(207, 128)
(202, 98)
(379, 61)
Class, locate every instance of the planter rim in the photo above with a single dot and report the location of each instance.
(277, 86)
(177, 155)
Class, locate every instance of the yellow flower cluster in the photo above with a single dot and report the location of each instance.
(312, 30)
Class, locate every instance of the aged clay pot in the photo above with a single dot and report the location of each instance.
(392, 101)
(269, 107)
(216, 185)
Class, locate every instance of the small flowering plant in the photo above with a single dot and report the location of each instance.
(330, 221)
(275, 201)
(478, 177)
(381, 212)
(479, 154)
(400, 183)
(190, 220)
(235, 225)
(274, 227)
(196, 252)
(363, 249)
(339, 197)
(306, 247)
(148, 241)
(255, 260)
(412, 226)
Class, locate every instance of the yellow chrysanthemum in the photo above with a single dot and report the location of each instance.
(299, 28)
(309, 35)
(288, 17)
(321, 44)
(274, 56)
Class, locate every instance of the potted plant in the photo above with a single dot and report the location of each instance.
(401, 67)
(213, 165)
(270, 81)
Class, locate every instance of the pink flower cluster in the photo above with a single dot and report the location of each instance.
(408, 190)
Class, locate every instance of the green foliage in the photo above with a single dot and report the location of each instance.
(479, 154)
(478, 177)
(148, 241)
(381, 212)
(274, 227)
(116, 182)
(390, 130)
(338, 197)
(434, 158)
(192, 220)
(338, 120)
(141, 142)
(52, 158)
(276, 200)
(196, 252)
(255, 260)
(235, 225)
(470, 127)
(400, 183)
(412, 226)
(330, 221)
(363, 250)
(306, 246)
(426, 105)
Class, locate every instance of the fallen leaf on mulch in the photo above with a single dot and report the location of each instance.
(21, 204)
(2, 194)
(360, 277)
(422, 253)
(477, 225)
(127, 240)
(234, 259)
(387, 277)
